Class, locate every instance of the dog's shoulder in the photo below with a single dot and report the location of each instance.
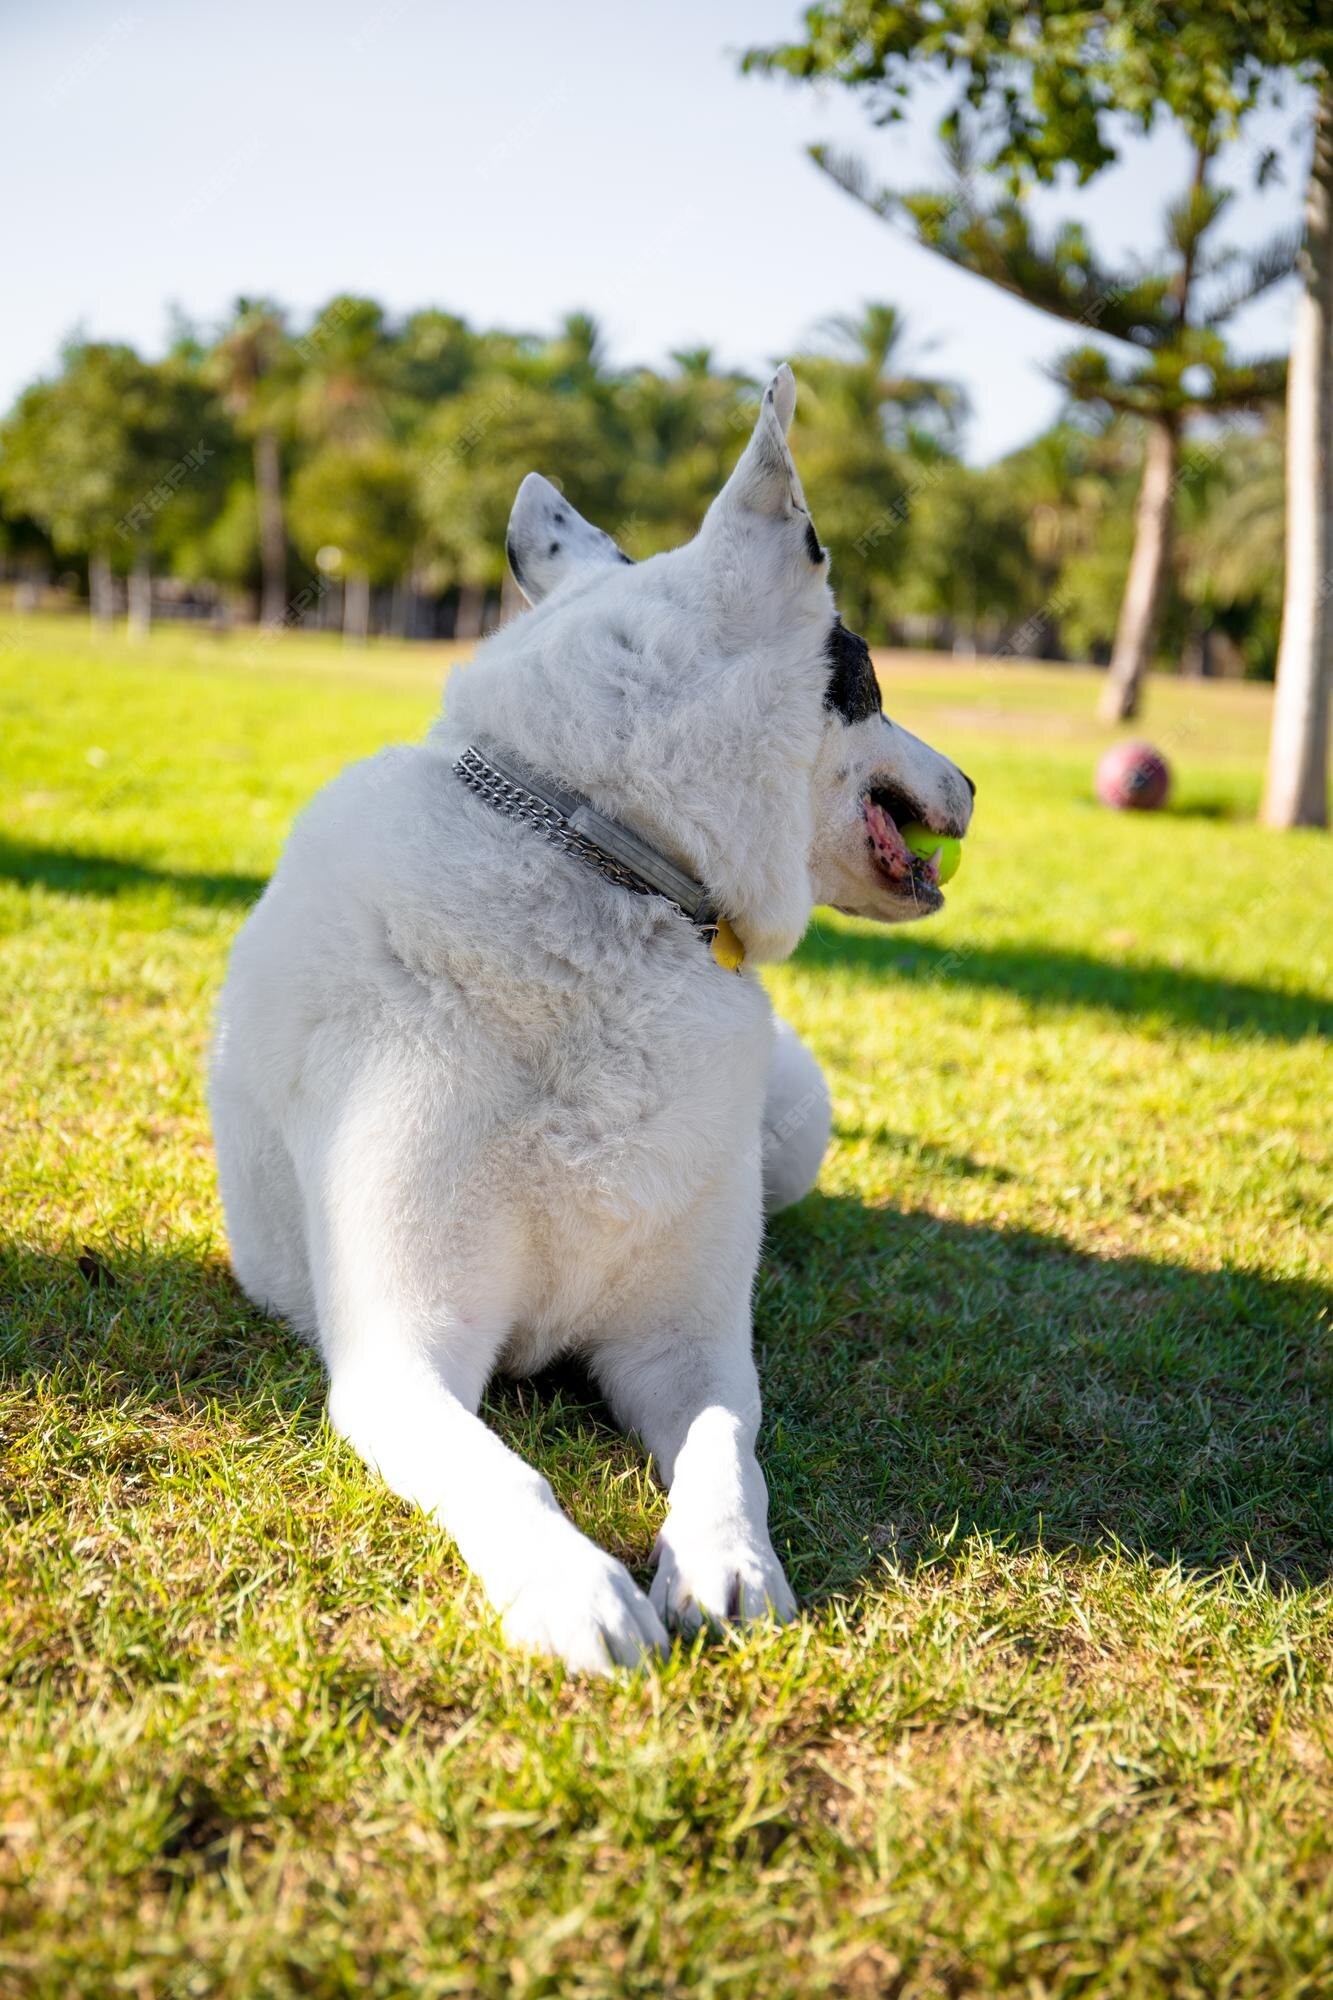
(367, 800)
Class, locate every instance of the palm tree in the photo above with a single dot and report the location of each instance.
(671, 440)
(349, 403)
(865, 362)
(345, 388)
(246, 364)
(576, 360)
(873, 437)
(1061, 493)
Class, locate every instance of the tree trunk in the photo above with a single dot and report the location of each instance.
(140, 599)
(471, 611)
(100, 602)
(356, 609)
(1196, 655)
(32, 581)
(1296, 792)
(1149, 567)
(272, 533)
(419, 620)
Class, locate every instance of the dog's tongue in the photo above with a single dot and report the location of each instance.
(888, 843)
(894, 855)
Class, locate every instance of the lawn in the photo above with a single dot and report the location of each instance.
(1049, 1427)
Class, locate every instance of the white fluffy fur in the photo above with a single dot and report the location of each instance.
(476, 1107)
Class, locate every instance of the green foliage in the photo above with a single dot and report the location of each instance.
(1054, 86)
(1032, 89)
(1046, 1368)
(1175, 362)
(867, 433)
(115, 454)
(681, 433)
(252, 365)
(344, 383)
(473, 451)
(401, 445)
(358, 498)
(968, 559)
(1232, 542)
(221, 548)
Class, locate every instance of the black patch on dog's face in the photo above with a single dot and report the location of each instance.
(812, 548)
(554, 549)
(852, 691)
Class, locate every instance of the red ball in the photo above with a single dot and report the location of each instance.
(1133, 777)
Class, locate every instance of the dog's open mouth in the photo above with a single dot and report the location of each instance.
(884, 810)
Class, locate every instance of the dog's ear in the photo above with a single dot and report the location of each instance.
(548, 539)
(765, 482)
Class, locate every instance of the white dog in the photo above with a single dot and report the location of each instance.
(488, 1086)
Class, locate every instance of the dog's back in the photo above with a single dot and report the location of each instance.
(595, 1071)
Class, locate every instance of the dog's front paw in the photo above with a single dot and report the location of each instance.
(718, 1574)
(581, 1606)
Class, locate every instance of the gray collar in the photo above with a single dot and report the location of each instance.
(572, 822)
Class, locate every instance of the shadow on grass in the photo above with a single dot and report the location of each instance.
(1047, 978)
(919, 1373)
(1214, 808)
(1075, 979)
(73, 874)
(918, 1376)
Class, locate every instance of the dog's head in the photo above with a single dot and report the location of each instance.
(713, 700)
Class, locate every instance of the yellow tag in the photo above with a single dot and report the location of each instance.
(727, 948)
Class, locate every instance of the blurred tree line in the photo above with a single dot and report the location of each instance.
(360, 471)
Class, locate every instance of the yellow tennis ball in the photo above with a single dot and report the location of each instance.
(925, 843)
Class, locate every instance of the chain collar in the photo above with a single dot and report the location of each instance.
(569, 820)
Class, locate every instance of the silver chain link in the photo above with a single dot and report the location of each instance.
(516, 802)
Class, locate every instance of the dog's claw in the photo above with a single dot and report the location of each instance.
(588, 1612)
(700, 1580)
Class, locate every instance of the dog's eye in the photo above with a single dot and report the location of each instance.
(852, 691)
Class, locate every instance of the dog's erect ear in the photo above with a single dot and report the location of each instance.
(548, 539)
(765, 490)
(765, 479)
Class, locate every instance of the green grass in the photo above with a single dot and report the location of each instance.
(1047, 1373)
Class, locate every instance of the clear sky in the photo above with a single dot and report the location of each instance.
(508, 162)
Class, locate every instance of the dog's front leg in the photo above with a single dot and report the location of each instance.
(557, 1592)
(693, 1397)
(412, 1313)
